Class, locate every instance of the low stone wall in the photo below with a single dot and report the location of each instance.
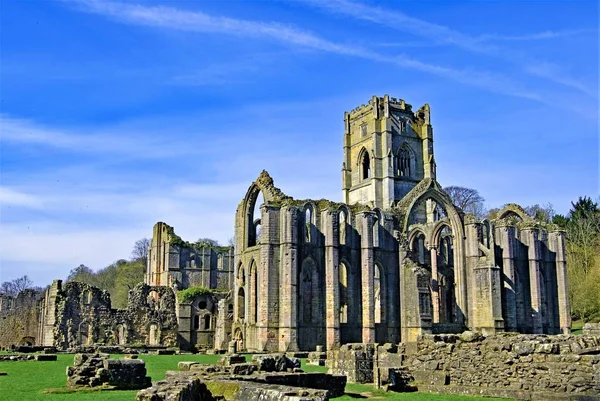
(355, 361)
(267, 377)
(591, 329)
(517, 366)
(98, 370)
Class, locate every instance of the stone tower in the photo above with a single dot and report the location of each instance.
(388, 149)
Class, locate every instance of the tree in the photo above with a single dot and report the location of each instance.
(83, 274)
(585, 207)
(129, 274)
(583, 258)
(207, 242)
(469, 200)
(541, 213)
(14, 287)
(140, 249)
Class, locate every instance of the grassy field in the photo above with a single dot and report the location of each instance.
(27, 381)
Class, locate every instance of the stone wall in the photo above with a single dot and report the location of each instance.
(267, 377)
(19, 316)
(93, 370)
(77, 314)
(504, 365)
(591, 329)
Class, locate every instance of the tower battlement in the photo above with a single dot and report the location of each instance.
(380, 106)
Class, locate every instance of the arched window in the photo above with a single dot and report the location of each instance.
(86, 297)
(253, 217)
(365, 166)
(207, 322)
(343, 279)
(241, 304)
(253, 293)
(379, 294)
(404, 162)
(196, 322)
(342, 227)
(308, 223)
(376, 228)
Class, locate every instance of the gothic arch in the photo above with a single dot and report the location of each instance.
(263, 185)
(364, 163)
(454, 220)
(343, 224)
(310, 222)
(253, 292)
(514, 210)
(405, 161)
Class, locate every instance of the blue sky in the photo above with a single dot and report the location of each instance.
(115, 115)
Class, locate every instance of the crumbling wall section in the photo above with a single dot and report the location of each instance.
(78, 314)
(20, 318)
(504, 365)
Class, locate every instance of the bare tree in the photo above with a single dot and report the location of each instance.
(468, 199)
(140, 249)
(14, 287)
(541, 212)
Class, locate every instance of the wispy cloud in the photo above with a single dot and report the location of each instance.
(13, 197)
(88, 140)
(194, 21)
(442, 34)
(535, 36)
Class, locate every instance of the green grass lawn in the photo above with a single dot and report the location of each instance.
(27, 380)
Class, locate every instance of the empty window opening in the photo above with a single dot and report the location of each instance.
(342, 227)
(241, 304)
(404, 169)
(308, 224)
(207, 322)
(196, 322)
(366, 166)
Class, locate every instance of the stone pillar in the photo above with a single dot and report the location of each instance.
(531, 238)
(332, 297)
(556, 242)
(486, 286)
(268, 280)
(288, 285)
(367, 275)
(505, 235)
(435, 288)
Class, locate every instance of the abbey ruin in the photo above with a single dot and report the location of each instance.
(394, 260)
(394, 280)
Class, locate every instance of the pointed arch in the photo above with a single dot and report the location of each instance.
(454, 219)
(364, 164)
(253, 293)
(379, 293)
(270, 194)
(309, 222)
(405, 161)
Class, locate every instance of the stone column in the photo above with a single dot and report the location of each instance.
(556, 242)
(268, 280)
(531, 238)
(435, 288)
(330, 226)
(367, 275)
(505, 235)
(288, 283)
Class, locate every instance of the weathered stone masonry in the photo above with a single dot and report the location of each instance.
(396, 260)
(76, 314)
